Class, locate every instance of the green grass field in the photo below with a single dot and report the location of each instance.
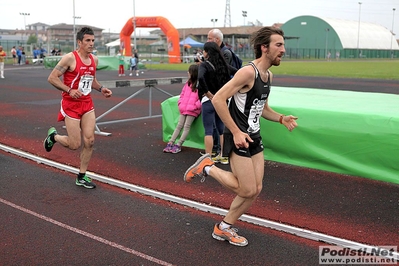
(373, 69)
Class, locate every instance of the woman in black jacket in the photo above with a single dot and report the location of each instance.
(213, 73)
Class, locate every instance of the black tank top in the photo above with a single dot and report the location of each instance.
(246, 108)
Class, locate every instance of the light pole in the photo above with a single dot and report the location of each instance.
(244, 14)
(358, 30)
(214, 20)
(74, 26)
(134, 24)
(74, 31)
(24, 14)
(393, 19)
(327, 56)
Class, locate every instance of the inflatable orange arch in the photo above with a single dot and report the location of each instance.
(170, 31)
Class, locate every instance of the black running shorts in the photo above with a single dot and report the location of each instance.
(254, 147)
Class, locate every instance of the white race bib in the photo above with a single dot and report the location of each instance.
(85, 84)
(253, 118)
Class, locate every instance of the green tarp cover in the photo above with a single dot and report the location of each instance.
(346, 132)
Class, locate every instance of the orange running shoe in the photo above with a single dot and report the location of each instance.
(198, 168)
(229, 234)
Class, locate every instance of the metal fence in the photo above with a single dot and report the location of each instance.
(332, 54)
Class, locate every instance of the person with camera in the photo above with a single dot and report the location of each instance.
(216, 35)
(198, 57)
(213, 73)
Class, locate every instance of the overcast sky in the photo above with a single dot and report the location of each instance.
(113, 15)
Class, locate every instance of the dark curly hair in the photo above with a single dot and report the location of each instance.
(216, 57)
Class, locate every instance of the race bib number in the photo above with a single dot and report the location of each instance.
(85, 84)
(253, 119)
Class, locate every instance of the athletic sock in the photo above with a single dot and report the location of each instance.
(81, 175)
(52, 138)
(208, 168)
(223, 225)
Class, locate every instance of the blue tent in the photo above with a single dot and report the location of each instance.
(191, 42)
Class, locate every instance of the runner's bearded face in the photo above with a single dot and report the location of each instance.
(276, 49)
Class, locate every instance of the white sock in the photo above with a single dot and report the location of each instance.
(223, 225)
(208, 168)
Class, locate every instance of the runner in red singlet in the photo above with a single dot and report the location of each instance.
(78, 69)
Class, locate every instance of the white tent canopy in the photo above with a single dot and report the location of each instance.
(161, 42)
(115, 43)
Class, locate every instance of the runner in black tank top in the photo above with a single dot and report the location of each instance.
(248, 92)
(246, 108)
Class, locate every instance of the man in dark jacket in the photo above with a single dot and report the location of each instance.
(216, 36)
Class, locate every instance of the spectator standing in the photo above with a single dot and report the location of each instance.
(189, 108)
(19, 54)
(213, 73)
(14, 55)
(136, 55)
(35, 52)
(42, 51)
(2, 58)
(121, 69)
(133, 66)
(216, 35)
(23, 56)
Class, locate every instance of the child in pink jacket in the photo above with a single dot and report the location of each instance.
(189, 107)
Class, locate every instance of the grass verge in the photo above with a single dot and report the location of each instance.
(372, 69)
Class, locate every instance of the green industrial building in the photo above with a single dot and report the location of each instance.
(310, 37)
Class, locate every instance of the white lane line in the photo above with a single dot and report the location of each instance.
(86, 234)
(201, 206)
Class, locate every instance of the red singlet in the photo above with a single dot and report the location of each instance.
(80, 78)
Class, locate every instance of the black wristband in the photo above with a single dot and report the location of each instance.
(100, 89)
